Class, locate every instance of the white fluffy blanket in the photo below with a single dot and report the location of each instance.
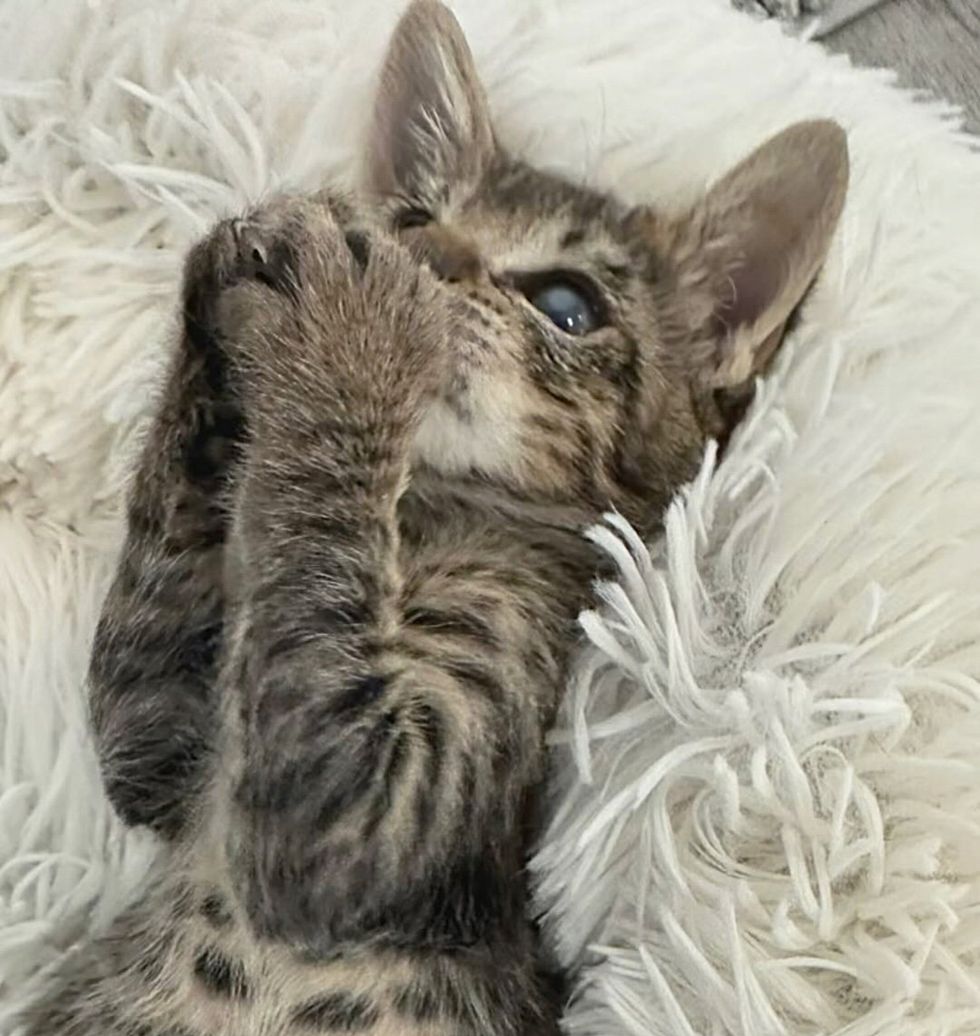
(767, 790)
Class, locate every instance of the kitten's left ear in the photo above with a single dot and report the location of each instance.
(431, 119)
(747, 254)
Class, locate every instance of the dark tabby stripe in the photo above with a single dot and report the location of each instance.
(339, 1011)
(341, 616)
(359, 694)
(220, 975)
(398, 757)
(458, 623)
(215, 910)
(399, 753)
(419, 1002)
(546, 424)
(431, 725)
(357, 242)
(475, 676)
(435, 996)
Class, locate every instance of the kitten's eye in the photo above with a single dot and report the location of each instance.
(413, 217)
(568, 305)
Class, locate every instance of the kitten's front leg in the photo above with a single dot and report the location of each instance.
(368, 780)
(377, 779)
(153, 658)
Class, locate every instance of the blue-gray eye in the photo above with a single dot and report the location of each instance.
(567, 306)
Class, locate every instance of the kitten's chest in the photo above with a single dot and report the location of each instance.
(515, 577)
(494, 601)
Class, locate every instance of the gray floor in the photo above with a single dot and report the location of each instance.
(933, 44)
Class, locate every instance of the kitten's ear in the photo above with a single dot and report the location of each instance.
(431, 119)
(755, 244)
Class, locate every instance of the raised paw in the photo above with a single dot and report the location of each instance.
(261, 247)
(276, 243)
(313, 307)
(342, 290)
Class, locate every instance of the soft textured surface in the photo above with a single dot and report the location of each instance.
(768, 780)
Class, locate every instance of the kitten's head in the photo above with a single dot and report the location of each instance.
(597, 347)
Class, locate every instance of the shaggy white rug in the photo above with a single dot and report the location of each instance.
(767, 790)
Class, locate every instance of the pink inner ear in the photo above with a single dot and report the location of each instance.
(769, 223)
(761, 270)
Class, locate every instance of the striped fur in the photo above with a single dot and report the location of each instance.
(347, 597)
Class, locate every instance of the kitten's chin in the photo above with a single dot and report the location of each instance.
(456, 440)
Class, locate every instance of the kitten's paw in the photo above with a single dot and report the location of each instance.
(264, 247)
(332, 270)
(285, 243)
(311, 303)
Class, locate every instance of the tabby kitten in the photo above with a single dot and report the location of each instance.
(343, 613)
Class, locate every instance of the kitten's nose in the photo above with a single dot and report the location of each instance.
(451, 257)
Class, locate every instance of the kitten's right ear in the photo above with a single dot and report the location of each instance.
(431, 120)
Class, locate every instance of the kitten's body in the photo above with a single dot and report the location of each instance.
(346, 603)
(461, 957)
(429, 765)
